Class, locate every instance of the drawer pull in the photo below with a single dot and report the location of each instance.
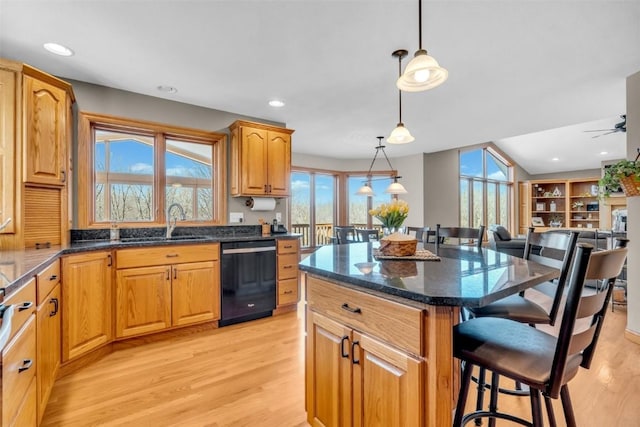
(25, 306)
(353, 352)
(56, 306)
(53, 277)
(288, 246)
(287, 266)
(110, 263)
(288, 292)
(172, 255)
(342, 341)
(26, 364)
(357, 310)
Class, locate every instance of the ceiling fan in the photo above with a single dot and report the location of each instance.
(619, 127)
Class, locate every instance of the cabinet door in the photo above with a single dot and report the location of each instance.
(328, 372)
(279, 164)
(143, 300)
(254, 145)
(195, 291)
(45, 126)
(387, 385)
(7, 149)
(48, 339)
(86, 305)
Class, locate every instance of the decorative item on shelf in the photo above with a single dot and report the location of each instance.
(394, 188)
(577, 205)
(624, 174)
(540, 206)
(548, 194)
(400, 135)
(392, 214)
(578, 217)
(537, 221)
(593, 207)
(423, 71)
(556, 192)
(556, 221)
(552, 206)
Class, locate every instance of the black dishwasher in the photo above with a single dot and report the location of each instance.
(248, 280)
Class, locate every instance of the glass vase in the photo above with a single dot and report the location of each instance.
(387, 231)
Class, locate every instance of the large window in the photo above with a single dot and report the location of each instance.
(322, 199)
(486, 188)
(137, 169)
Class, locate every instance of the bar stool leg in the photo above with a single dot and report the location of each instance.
(464, 392)
(569, 416)
(536, 410)
(493, 400)
(480, 398)
(550, 413)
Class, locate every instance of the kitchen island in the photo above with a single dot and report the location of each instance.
(379, 332)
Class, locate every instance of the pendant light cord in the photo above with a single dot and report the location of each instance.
(400, 91)
(420, 24)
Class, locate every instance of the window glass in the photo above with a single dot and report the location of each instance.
(504, 204)
(496, 169)
(464, 203)
(189, 171)
(478, 204)
(123, 176)
(301, 206)
(492, 203)
(379, 186)
(324, 196)
(358, 205)
(471, 163)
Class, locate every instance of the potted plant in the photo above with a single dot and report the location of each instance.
(391, 215)
(625, 174)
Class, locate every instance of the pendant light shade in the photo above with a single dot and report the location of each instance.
(394, 188)
(400, 135)
(423, 72)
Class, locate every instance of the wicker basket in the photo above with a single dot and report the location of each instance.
(398, 248)
(629, 185)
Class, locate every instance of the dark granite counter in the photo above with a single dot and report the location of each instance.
(464, 276)
(18, 266)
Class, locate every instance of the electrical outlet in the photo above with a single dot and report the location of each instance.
(278, 217)
(236, 217)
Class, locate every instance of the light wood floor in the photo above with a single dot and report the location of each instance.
(253, 375)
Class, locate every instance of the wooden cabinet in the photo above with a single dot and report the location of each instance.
(35, 141)
(288, 257)
(260, 160)
(361, 368)
(86, 303)
(19, 360)
(45, 132)
(161, 287)
(565, 203)
(48, 333)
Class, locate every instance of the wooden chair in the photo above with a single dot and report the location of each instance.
(346, 234)
(420, 233)
(543, 362)
(475, 234)
(367, 234)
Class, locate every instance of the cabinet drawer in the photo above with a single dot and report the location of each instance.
(397, 324)
(25, 305)
(287, 266)
(287, 291)
(163, 255)
(19, 354)
(288, 246)
(47, 279)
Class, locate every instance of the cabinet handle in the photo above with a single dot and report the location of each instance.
(110, 263)
(64, 176)
(266, 188)
(168, 274)
(55, 303)
(353, 352)
(288, 292)
(25, 306)
(26, 364)
(269, 188)
(172, 255)
(287, 266)
(344, 339)
(45, 245)
(175, 273)
(288, 246)
(53, 277)
(356, 310)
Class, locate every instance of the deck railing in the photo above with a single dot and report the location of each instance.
(322, 232)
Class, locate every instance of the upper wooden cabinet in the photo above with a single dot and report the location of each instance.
(260, 159)
(45, 138)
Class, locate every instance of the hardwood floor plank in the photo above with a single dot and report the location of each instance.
(253, 375)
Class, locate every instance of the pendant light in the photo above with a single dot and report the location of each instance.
(400, 135)
(423, 71)
(394, 188)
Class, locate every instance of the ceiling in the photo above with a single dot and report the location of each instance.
(529, 75)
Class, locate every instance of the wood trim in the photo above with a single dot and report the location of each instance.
(48, 78)
(632, 336)
(263, 126)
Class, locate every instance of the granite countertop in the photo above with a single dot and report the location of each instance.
(464, 276)
(18, 266)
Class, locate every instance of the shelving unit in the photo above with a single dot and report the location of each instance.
(548, 204)
(585, 205)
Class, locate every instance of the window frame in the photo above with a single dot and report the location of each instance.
(85, 165)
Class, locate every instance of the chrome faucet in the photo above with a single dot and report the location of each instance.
(170, 226)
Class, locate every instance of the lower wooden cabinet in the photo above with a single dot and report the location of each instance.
(288, 256)
(86, 303)
(151, 298)
(49, 338)
(355, 379)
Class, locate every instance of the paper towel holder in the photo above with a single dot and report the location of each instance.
(251, 203)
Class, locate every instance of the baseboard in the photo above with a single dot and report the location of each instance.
(632, 336)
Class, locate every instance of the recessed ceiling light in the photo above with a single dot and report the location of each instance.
(58, 49)
(167, 89)
(276, 103)
(602, 153)
(555, 159)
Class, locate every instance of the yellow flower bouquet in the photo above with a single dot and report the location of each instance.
(391, 215)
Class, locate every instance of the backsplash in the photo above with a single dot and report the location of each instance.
(213, 231)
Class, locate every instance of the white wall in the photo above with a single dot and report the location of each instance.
(633, 212)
